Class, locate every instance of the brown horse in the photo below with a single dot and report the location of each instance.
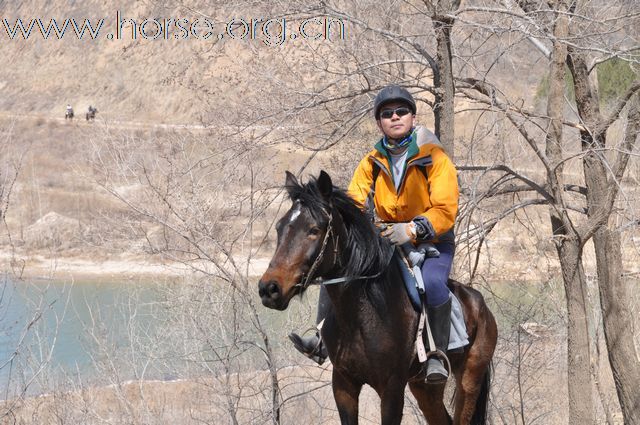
(91, 113)
(370, 333)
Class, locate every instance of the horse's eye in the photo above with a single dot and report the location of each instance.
(314, 231)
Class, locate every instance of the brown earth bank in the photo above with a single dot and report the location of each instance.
(244, 398)
(306, 393)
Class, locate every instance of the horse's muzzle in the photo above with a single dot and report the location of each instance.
(271, 295)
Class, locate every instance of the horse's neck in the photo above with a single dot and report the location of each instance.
(352, 304)
(356, 310)
(347, 304)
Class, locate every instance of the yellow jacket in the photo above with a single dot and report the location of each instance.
(433, 197)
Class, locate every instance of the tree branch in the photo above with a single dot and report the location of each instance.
(622, 102)
(532, 184)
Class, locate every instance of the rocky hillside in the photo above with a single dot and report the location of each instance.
(171, 79)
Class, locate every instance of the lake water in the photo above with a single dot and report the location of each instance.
(50, 330)
(61, 335)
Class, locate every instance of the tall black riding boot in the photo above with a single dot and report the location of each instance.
(440, 322)
(312, 346)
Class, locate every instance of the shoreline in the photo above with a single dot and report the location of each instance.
(128, 267)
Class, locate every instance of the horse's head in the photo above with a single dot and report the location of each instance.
(302, 251)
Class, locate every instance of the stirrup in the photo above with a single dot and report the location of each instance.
(437, 376)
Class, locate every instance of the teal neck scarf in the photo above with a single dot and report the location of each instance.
(399, 147)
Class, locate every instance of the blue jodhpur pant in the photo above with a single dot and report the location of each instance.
(435, 274)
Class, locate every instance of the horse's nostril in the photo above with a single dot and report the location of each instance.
(273, 288)
(262, 289)
(268, 290)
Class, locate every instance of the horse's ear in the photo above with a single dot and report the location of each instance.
(290, 182)
(325, 185)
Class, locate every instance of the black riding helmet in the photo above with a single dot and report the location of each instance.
(390, 94)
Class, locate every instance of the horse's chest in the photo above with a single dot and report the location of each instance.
(371, 361)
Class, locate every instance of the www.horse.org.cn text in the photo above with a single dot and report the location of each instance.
(270, 31)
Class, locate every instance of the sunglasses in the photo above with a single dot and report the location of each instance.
(401, 112)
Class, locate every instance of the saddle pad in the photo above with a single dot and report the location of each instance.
(409, 281)
(458, 336)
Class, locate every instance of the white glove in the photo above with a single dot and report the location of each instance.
(400, 233)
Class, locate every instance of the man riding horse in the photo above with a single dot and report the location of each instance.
(411, 184)
(91, 113)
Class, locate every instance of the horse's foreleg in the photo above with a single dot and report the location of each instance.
(346, 394)
(430, 398)
(392, 403)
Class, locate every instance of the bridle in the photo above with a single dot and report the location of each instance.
(308, 280)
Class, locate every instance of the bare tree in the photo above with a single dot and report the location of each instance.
(576, 34)
(24, 361)
(202, 206)
(11, 159)
(603, 183)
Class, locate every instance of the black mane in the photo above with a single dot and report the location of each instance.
(365, 252)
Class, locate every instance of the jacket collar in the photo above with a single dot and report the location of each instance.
(421, 138)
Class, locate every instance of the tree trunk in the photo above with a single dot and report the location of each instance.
(443, 108)
(614, 300)
(617, 318)
(569, 245)
(578, 358)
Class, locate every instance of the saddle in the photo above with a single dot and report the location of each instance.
(412, 278)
